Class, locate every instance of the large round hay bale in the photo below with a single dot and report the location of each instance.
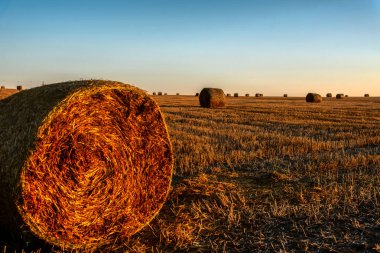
(247, 95)
(339, 96)
(328, 95)
(366, 95)
(228, 94)
(159, 93)
(212, 98)
(83, 164)
(285, 95)
(19, 87)
(236, 95)
(2, 87)
(154, 93)
(197, 94)
(313, 98)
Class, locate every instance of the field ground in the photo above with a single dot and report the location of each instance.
(7, 92)
(270, 175)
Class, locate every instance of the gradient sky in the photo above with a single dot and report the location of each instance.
(246, 46)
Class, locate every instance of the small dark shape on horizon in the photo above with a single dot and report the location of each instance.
(212, 98)
(313, 98)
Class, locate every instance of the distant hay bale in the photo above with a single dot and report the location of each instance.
(165, 94)
(346, 96)
(177, 94)
(313, 98)
(83, 164)
(247, 95)
(2, 87)
(197, 94)
(228, 95)
(159, 93)
(212, 98)
(154, 93)
(329, 95)
(236, 95)
(257, 95)
(366, 95)
(285, 95)
(19, 87)
(339, 96)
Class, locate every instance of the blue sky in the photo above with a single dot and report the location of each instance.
(246, 46)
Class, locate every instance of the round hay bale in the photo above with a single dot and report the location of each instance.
(339, 96)
(313, 98)
(329, 95)
(83, 164)
(212, 98)
(177, 94)
(257, 95)
(2, 87)
(19, 87)
(346, 96)
(228, 95)
(366, 95)
(285, 95)
(159, 93)
(165, 94)
(197, 94)
(154, 93)
(247, 95)
(236, 95)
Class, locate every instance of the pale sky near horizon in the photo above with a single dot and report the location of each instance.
(246, 46)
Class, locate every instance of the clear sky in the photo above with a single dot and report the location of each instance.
(246, 46)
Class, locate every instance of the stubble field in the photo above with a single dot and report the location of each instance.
(270, 175)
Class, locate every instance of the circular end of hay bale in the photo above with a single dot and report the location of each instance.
(313, 98)
(366, 95)
(329, 95)
(340, 96)
(212, 98)
(285, 95)
(100, 168)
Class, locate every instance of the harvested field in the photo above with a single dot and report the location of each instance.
(7, 92)
(270, 175)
